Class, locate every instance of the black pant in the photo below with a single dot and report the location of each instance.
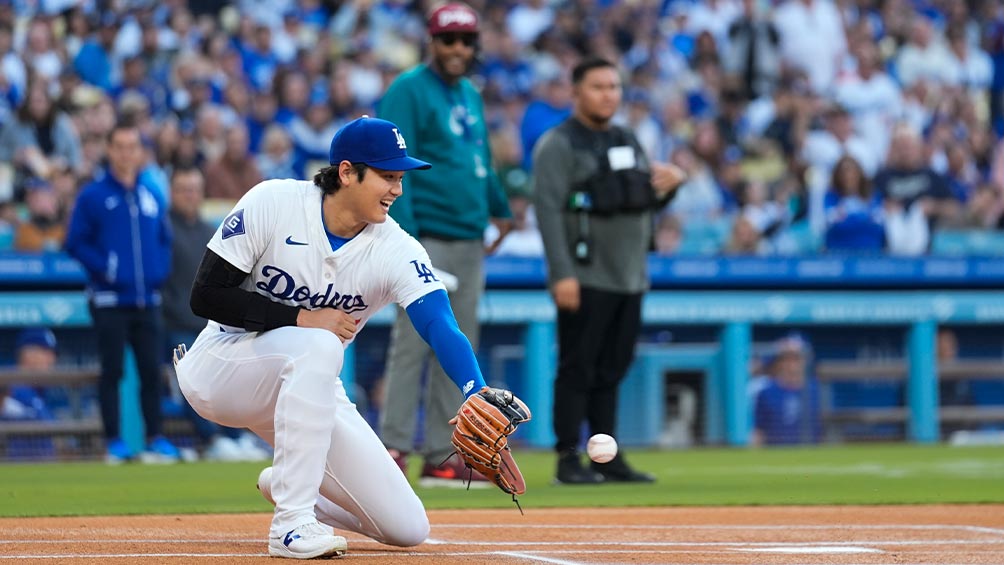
(142, 329)
(595, 348)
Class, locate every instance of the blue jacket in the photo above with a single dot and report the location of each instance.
(123, 240)
(786, 416)
(94, 64)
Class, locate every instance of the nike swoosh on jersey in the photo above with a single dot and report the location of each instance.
(289, 241)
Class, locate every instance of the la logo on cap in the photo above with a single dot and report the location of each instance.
(400, 139)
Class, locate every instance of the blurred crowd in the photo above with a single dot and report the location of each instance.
(805, 125)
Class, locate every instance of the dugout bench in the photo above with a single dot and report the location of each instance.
(835, 418)
(73, 433)
(76, 431)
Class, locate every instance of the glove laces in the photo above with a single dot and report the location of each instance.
(470, 477)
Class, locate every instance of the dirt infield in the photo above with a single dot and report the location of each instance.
(842, 535)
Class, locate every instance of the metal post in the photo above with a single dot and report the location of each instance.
(539, 374)
(714, 417)
(922, 383)
(735, 359)
(133, 430)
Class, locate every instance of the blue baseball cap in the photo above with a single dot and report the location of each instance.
(374, 142)
(38, 337)
(792, 344)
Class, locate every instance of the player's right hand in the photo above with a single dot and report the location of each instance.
(667, 177)
(335, 321)
(566, 294)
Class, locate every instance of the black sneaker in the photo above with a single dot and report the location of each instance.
(571, 471)
(618, 471)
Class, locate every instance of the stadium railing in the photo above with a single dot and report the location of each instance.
(835, 418)
(73, 433)
(731, 296)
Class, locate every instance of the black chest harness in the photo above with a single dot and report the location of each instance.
(620, 188)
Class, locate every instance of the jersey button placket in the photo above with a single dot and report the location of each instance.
(329, 268)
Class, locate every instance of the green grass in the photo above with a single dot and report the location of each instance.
(871, 474)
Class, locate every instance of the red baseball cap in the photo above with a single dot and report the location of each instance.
(453, 17)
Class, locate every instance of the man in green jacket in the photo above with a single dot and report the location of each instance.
(447, 209)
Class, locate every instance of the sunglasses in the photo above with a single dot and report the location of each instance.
(448, 39)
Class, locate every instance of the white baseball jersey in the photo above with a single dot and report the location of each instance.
(275, 232)
(283, 384)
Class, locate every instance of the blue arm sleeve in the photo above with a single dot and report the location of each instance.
(433, 319)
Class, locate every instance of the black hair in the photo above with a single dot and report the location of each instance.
(328, 181)
(24, 114)
(588, 64)
(836, 183)
(184, 169)
(124, 123)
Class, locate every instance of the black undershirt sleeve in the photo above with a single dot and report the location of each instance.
(217, 296)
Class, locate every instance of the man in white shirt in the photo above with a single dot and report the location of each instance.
(873, 99)
(925, 57)
(812, 39)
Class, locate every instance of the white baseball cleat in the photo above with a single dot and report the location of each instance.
(312, 540)
(265, 484)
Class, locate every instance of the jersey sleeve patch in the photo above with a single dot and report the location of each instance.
(424, 272)
(234, 224)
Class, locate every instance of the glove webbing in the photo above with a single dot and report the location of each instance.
(470, 477)
(479, 439)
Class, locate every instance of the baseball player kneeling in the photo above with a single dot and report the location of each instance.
(289, 278)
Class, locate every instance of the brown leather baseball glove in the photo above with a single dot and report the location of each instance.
(483, 425)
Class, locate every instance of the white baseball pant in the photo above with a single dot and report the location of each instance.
(283, 385)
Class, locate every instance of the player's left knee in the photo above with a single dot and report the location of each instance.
(324, 347)
(408, 533)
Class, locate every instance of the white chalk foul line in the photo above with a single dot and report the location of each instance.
(981, 529)
(729, 543)
(543, 547)
(984, 530)
(129, 555)
(533, 556)
(122, 540)
(552, 543)
(810, 550)
(538, 558)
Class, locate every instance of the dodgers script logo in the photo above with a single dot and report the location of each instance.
(281, 284)
(234, 224)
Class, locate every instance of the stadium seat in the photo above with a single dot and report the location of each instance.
(967, 242)
(704, 238)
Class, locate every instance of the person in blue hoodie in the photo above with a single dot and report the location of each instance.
(120, 234)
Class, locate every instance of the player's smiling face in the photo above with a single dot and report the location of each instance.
(370, 198)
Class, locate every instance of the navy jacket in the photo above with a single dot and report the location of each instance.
(123, 240)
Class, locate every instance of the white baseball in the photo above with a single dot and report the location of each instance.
(601, 448)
